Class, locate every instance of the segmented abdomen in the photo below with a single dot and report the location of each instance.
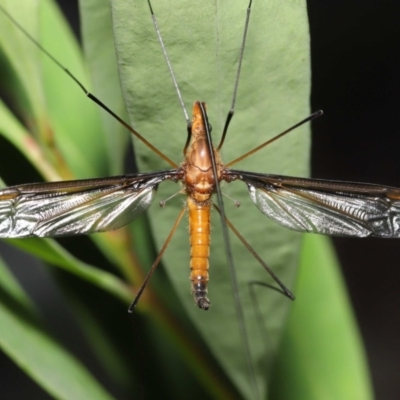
(199, 229)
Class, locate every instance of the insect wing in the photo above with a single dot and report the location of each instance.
(75, 207)
(327, 207)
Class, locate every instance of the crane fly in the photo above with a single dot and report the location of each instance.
(96, 205)
(87, 206)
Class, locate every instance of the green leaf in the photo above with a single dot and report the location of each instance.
(98, 41)
(73, 136)
(45, 98)
(40, 356)
(23, 58)
(50, 251)
(203, 43)
(322, 354)
(12, 130)
(9, 287)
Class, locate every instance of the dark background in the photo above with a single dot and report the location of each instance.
(355, 66)
(355, 74)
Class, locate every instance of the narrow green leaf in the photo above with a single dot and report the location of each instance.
(98, 44)
(45, 360)
(23, 58)
(12, 130)
(74, 120)
(45, 99)
(50, 251)
(10, 288)
(322, 355)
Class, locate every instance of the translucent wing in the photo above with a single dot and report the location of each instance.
(325, 207)
(76, 207)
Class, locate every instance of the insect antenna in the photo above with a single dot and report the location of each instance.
(236, 86)
(171, 71)
(87, 93)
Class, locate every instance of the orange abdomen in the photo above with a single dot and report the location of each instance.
(199, 229)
